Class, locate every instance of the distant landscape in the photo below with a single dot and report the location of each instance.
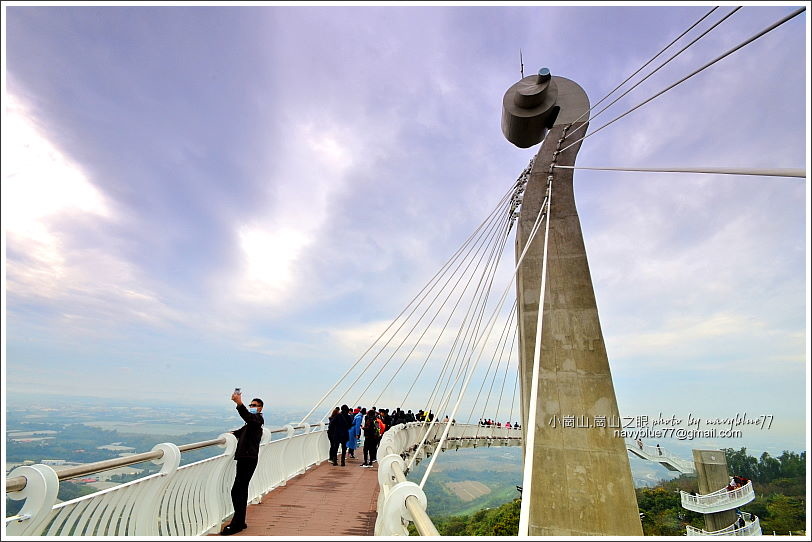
(74, 431)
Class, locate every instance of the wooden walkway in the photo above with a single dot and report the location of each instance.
(325, 501)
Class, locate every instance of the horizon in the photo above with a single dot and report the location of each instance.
(680, 447)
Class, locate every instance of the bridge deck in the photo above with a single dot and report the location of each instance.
(324, 501)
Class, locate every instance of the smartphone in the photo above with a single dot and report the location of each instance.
(237, 391)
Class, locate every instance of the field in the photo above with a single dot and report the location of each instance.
(468, 490)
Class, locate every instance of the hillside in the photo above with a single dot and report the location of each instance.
(780, 503)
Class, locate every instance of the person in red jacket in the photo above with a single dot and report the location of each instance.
(247, 456)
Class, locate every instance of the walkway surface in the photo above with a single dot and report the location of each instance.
(324, 501)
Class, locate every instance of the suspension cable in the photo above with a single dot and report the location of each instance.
(531, 422)
(532, 236)
(646, 64)
(706, 32)
(712, 62)
(429, 286)
(436, 342)
(775, 172)
(417, 343)
(443, 398)
(507, 367)
(495, 372)
(515, 385)
(484, 341)
(480, 301)
(493, 230)
(464, 331)
(515, 201)
(500, 347)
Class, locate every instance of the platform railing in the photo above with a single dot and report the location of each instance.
(401, 501)
(751, 528)
(722, 499)
(195, 499)
(177, 501)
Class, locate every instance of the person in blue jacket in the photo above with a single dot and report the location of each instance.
(355, 431)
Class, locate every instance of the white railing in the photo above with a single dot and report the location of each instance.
(751, 528)
(401, 501)
(195, 499)
(661, 455)
(177, 501)
(718, 500)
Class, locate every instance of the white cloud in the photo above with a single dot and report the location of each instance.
(44, 188)
(311, 174)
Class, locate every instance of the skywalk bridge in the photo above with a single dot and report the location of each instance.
(195, 499)
(662, 456)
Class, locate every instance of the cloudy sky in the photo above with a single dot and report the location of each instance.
(197, 198)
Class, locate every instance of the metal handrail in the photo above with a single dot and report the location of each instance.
(18, 483)
(422, 521)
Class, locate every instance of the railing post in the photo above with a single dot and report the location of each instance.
(40, 491)
(391, 517)
(145, 511)
(217, 498)
(260, 484)
(316, 443)
(287, 473)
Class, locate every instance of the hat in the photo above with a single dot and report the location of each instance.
(357, 410)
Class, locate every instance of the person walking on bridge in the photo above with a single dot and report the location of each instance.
(247, 456)
(372, 436)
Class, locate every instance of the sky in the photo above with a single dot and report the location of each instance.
(202, 197)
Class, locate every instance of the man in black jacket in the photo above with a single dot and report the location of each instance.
(246, 455)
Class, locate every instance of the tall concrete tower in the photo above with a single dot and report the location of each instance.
(581, 480)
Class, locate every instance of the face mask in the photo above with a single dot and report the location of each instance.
(252, 410)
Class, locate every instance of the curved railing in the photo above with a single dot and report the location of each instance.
(718, 500)
(662, 456)
(401, 501)
(751, 528)
(195, 499)
(177, 501)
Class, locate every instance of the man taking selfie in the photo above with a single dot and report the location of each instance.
(246, 455)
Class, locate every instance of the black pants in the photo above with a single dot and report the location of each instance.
(334, 450)
(370, 449)
(239, 491)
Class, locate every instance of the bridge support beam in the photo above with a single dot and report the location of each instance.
(581, 479)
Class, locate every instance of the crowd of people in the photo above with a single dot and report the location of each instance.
(346, 428)
(489, 422)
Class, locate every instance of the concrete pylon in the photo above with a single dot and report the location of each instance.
(712, 475)
(581, 479)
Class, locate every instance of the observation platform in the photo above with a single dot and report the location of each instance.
(718, 501)
(341, 501)
(751, 527)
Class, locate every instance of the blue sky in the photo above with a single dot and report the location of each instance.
(197, 198)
